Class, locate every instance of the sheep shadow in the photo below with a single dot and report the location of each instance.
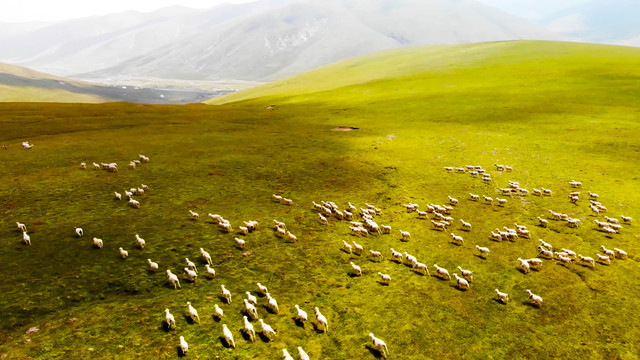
(416, 271)
(263, 337)
(165, 326)
(318, 329)
(224, 342)
(455, 286)
(499, 301)
(224, 300)
(189, 320)
(382, 283)
(216, 318)
(179, 351)
(245, 335)
(353, 275)
(530, 304)
(375, 352)
(480, 256)
(521, 270)
(270, 310)
(298, 322)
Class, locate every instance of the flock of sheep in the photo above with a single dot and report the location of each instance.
(366, 225)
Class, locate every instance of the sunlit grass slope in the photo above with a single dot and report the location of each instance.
(554, 120)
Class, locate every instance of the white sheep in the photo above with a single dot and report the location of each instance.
(385, 279)
(291, 237)
(169, 319)
(442, 272)
(262, 289)
(240, 243)
(626, 219)
(376, 254)
(604, 259)
(250, 309)
(396, 255)
(543, 222)
(228, 336)
(474, 197)
(118, 196)
(124, 253)
(286, 201)
(323, 220)
(410, 259)
(537, 192)
(535, 299)
(79, 232)
(192, 313)
(575, 184)
(205, 256)
(243, 230)
(534, 263)
(545, 253)
(303, 355)
(502, 297)
(346, 247)
(458, 240)
(462, 283)
(500, 201)
(192, 275)
(487, 199)
(420, 267)
(439, 225)
(21, 226)
(607, 252)
(379, 345)
(286, 355)
(194, 215)
(210, 271)
(26, 238)
(272, 303)
(453, 201)
(586, 260)
(267, 330)
(620, 254)
(405, 235)
(545, 244)
(496, 236)
(217, 311)
(467, 274)
(225, 294)
(524, 265)
(612, 220)
(356, 269)
(153, 266)
(98, 243)
(173, 279)
(248, 329)
(277, 198)
(465, 225)
(483, 251)
(140, 242)
(302, 315)
(322, 320)
(134, 203)
(96, 166)
(251, 298)
(184, 347)
(191, 265)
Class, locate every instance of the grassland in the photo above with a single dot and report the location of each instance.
(554, 111)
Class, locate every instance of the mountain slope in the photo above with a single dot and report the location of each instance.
(437, 70)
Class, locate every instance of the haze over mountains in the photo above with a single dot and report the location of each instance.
(264, 40)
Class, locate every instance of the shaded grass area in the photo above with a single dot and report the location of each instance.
(228, 160)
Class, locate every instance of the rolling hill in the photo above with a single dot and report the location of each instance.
(555, 112)
(263, 40)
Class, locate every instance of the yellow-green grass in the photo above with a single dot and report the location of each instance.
(29, 93)
(230, 159)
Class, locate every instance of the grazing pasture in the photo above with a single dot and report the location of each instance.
(556, 120)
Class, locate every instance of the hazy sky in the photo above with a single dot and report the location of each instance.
(47, 10)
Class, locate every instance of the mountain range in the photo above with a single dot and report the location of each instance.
(260, 41)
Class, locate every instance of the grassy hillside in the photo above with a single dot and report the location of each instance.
(547, 116)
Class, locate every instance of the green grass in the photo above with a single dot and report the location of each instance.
(531, 105)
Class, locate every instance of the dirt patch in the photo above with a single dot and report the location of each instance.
(344, 128)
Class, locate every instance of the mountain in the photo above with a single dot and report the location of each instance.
(19, 84)
(602, 21)
(264, 40)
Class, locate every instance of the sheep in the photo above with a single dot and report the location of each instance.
(140, 242)
(323, 220)
(113, 167)
(251, 298)
(240, 243)
(273, 304)
(348, 214)
(543, 222)
(465, 225)
(169, 319)
(421, 268)
(483, 251)
(143, 158)
(205, 256)
(439, 225)
(192, 275)
(132, 165)
(537, 192)
(547, 192)
(286, 201)
(267, 330)
(194, 215)
(134, 203)
(173, 279)
(123, 253)
(602, 224)
(474, 197)
(22, 227)
(278, 198)
(554, 215)
(595, 210)
(248, 329)
(461, 282)
(98, 243)
(441, 272)
(192, 313)
(570, 253)
(379, 345)
(545, 244)
(346, 247)
(573, 223)
(501, 202)
(385, 279)
(217, 311)
(410, 259)
(502, 297)
(523, 233)
(593, 195)
(604, 259)
(26, 238)
(286, 355)
(608, 252)
(250, 309)
(396, 255)
(545, 253)
(262, 289)
(612, 220)
(96, 166)
(228, 336)
(448, 168)
(524, 265)
(280, 232)
(453, 201)
(586, 260)
(243, 230)
(191, 265)
(303, 355)
(210, 271)
(535, 299)
(575, 184)
(487, 199)
(357, 271)
(225, 294)
(79, 231)
(302, 315)
(153, 266)
(322, 320)
(376, 254)
(574, 199)
(184, 347)
(620, 254)
(496, 236)
(457, 239)
(467, 274)
(128, 194)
